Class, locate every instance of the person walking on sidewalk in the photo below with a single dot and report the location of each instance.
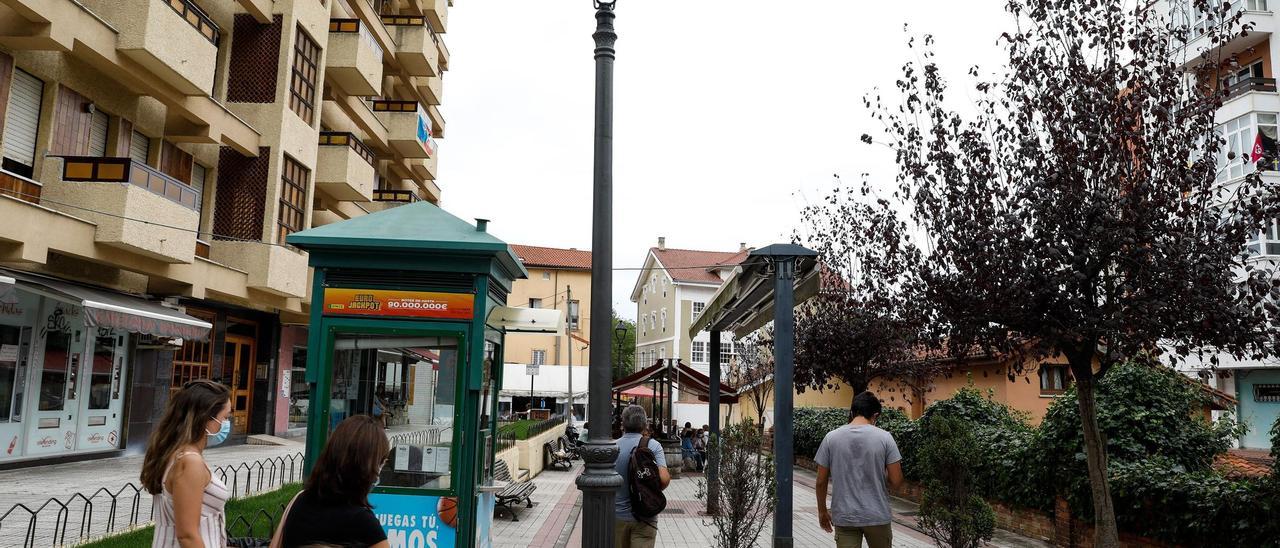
(191, 501)
(859, 459)
(628, 530)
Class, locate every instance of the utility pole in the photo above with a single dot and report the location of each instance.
(568, 337)
(599, 482)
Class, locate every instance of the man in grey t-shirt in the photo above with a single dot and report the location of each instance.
(628, 531)
(859, 459)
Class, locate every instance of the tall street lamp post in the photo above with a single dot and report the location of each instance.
(620, 368)
(599, 482)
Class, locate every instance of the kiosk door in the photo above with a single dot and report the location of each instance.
(102, 384)
(56, 363)
(239, 358)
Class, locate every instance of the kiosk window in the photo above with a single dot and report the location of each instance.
(53, 371)
(371, 377)
(11, 375)
(104, 354)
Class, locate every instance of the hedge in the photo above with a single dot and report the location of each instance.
(1160, 452)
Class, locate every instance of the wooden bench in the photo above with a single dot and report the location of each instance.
(556, 453)
(514, 493)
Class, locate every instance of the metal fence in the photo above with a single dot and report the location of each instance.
(420, 438)
(546, 425)
(81, 517)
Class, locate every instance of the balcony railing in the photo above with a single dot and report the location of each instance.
(411, 20)
(402, 196)
(124, 170)
(202, 249)
(19, 187)
(1251, 84)
(342, 138)
(197, 18)
(391, 105)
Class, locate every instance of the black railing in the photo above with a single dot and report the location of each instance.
(506, 440)
(80, 517)
(402, 196)
(411, 21)
(197, 18)
(1251, 84)
(546, 425)
(421, 438)
(342, 138)
(344, 25)
(396, 105)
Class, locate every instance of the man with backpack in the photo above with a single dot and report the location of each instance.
(643, 468)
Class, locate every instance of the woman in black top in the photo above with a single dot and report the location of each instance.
(333, 508)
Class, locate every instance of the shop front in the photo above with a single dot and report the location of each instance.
(66, 355)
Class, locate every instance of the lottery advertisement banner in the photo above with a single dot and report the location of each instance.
(395, 303)
(413, 521)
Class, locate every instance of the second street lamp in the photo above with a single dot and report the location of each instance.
(620, 368)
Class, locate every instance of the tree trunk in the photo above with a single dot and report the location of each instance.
(1106, 534)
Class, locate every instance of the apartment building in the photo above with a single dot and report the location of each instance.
(156, 153)
(559, 279)
(1248, 119)
(672, 289)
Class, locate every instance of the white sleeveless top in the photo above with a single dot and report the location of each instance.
(213, 519)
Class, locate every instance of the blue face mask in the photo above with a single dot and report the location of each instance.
(220, 436)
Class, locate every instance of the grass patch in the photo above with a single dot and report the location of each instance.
(260, 514)
(519, 428)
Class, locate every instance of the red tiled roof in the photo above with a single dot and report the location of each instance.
(552, 257)
(1243, 463)
(688, 265)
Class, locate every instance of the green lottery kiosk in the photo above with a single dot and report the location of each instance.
(408, 317)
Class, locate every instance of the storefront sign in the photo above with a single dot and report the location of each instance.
(8, 352)
(413, 521)
(387, 302)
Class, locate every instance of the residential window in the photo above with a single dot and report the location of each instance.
(535, 303)
(653, 320)
(1053, 379)
(1241, 134)
(293, 198)
(98, 123)
(573, 315)
(302, 85)
(699, 352)
(546, 275)
(139, 147)
(662, 353)
(1265, 242)
(698, 307)
(726, 352)
(13, 372)
(1266, 393)
(664, 320)
(1243, 74)
(22, 123)
(539, 357)
(1200, 22)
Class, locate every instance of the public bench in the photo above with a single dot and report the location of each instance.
(514, 493)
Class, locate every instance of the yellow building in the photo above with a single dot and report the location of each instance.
(161, 151)
(559, 279)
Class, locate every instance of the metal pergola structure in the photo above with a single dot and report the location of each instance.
(664, 378)
(765, 288)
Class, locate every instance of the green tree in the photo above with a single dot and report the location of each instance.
(952, 511)
(745, 486)
(623, 350)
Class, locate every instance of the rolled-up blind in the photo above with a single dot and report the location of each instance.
(22, 120)
(139, 144)
(98, 134)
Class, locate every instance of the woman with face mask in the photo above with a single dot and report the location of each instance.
(189, 501)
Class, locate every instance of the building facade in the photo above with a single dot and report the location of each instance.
(1245, 74)
(161, 151)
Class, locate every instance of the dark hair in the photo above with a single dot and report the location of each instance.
(865, 405)
(349, 465)
(183, 422)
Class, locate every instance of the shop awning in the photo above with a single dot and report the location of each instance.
(686, 379)
(105, 308)
(516, 319)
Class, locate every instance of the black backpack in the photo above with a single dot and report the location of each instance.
(647, 500)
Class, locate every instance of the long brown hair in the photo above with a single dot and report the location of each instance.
(350, 462)
(183, 422)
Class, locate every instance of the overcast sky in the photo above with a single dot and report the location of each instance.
(729, 116)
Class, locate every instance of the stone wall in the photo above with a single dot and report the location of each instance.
(531, 458)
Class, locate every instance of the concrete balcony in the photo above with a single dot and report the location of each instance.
(173, 39)
(423, 169)
(1263, 25)
(431, 88)
(437, 121)
(444, 54)
(274, 269)
(416, 47)
(354, 59)
(384, 199)
(22, 188)
(345, 168)
(437, 12)
(113, 192)
(408, 126)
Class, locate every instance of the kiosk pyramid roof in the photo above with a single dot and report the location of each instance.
(420, 227)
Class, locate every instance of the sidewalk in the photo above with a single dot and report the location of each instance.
(85, 491)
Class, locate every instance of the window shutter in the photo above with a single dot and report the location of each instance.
(98, 134)
(139, 144)
(197, 177)
(23, 119)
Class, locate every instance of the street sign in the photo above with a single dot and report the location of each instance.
(531, 369)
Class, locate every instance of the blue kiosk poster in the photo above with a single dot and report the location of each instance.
(413, 521)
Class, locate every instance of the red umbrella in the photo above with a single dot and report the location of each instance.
(638, 392)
